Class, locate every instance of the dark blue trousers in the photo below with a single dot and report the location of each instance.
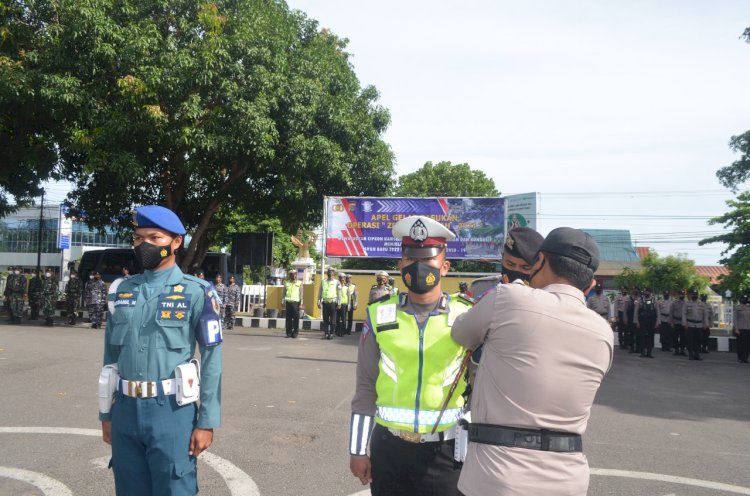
(150, 443)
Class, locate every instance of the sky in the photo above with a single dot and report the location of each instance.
(618, 113)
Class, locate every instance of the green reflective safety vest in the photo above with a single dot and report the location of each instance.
(329, 289)
(344, 295)
(417, 367)
(292, 290)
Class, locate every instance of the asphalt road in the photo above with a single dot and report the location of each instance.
(666, 426)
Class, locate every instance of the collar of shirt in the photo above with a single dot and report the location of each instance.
(567, 290)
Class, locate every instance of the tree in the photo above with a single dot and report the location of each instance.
(231, 105)
(445, 179)
(732, 176)
(737, 237)
(670, 273)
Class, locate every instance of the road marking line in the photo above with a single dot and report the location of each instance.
(671, 479)
(47, 485)
(238, 482)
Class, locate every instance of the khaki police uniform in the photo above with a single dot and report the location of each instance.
(693, 320)
(622, 303)
(599, 304)
(545, 355)
(678, 328)
(741, 314)
(664, 323)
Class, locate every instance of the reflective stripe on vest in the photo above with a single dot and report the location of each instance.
(417, 368)
(293, 290)
(426, 417)
(344, 295)
(329, 289)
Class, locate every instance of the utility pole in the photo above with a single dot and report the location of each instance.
(41, 233)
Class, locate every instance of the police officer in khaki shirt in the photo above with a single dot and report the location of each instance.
(599, 303)
(621, 315)
(545, 355)
(693, 320)
(519, 249)
(741, 321)
(664, 322)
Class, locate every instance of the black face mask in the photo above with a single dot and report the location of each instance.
(420, 278)
(512, 275)
(150, 256)
(531, 276)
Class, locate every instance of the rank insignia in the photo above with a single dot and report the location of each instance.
(179, 315)
(175, 297)
(179, 288)
(166, 314)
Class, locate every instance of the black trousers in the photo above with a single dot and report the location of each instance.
(340, 321)
(329, 317)
(349, 320)
(665, 336)
(705, 338)
(646, 335)
(743, 345)
(292, 318)
(693, 335)
(679, 337)
(621, 329)
(401, 468)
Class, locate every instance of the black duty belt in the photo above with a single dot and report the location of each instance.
(665, 315)
(695, 321)
(542, 440)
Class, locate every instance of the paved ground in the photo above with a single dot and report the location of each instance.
(659, 427)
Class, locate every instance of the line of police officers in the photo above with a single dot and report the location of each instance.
(683, 325)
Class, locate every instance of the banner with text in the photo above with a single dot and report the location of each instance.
(361, 226)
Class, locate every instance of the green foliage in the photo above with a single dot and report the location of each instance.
(670, 273)
(445, 179)
(732, 176)
(737, 237)
(198, 106)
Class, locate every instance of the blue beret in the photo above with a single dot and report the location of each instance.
(159, 217)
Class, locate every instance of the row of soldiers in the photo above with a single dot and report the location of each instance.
(683, 325)
(40, 290)
(95, 297)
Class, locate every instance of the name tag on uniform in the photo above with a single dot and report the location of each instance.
(125, 298)
(173, 306)
(386, 314)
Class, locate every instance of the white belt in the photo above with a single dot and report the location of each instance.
(415, 437)
(147, 389)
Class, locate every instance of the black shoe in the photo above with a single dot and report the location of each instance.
(682, 353)
(295, 334)
(287, 336)
(49, 322)
(698, 357)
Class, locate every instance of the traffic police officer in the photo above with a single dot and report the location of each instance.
(73, 291)
(664, 322)
(329, 300)
(353, 303)
(292, 300)
(156, 432)
(520, 247)
(408, 365)
(343, 308)
(380, 288)
(693, 319)
(545, 355)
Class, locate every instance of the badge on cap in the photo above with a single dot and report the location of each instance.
(418, 231)
(509, 242)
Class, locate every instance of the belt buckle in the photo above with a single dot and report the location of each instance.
(409, 436)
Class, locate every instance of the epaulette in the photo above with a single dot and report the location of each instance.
(200, 281)
(374, 286)
(385, 297)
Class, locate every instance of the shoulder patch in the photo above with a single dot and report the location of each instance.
(385, 314)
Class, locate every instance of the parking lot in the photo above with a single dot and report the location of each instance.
(660, 427)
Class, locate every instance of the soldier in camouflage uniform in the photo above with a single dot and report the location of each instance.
(73, 291)
(35, 295)
(232, 303)
(16, 286)
(96, 298)
(49, 297)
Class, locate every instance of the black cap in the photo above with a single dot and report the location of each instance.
(693, 291)
(574, 244)
(523, 242)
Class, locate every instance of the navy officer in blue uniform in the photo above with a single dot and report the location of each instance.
(155, 425)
